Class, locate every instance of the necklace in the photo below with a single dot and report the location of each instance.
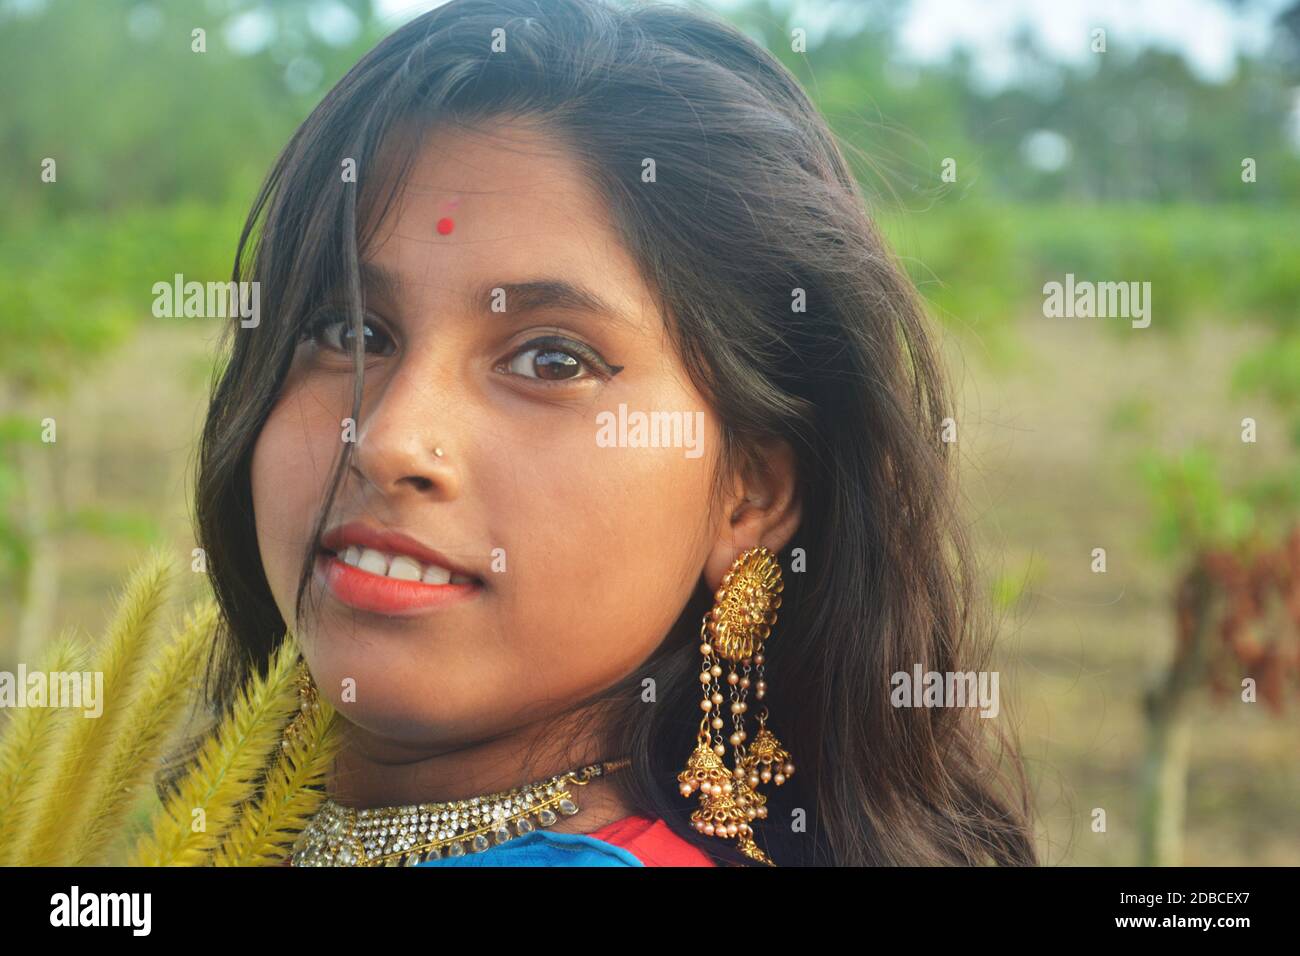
(409, 835)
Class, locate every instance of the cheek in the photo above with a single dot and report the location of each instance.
(609, 544)
(289, 469)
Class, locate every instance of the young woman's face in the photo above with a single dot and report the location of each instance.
(583, 553)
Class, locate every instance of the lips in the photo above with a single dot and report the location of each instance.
(388, 572)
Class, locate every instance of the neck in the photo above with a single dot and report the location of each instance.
(372, 771)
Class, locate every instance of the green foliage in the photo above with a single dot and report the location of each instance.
(1273, 370)
(1218, 263)
(114, 93)
(968, 268)
(77, 288)
(1193, 511)
(1138, 126)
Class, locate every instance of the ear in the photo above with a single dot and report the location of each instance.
(763, 508)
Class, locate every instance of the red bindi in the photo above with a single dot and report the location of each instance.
(445, 226)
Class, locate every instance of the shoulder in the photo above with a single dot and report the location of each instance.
(653, 842)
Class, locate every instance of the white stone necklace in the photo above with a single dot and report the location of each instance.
(409, 835)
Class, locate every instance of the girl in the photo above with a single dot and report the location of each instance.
(581, 371)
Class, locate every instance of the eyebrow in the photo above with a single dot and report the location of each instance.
(522, 298)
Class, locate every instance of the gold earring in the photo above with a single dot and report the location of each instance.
(308, 701)
(735, 629)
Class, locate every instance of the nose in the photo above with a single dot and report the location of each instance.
(405, 444)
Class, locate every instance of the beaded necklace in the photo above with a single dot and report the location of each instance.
(409, 835)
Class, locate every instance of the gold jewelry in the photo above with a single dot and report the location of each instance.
(308, 701)
(409, 835)
(740, 620)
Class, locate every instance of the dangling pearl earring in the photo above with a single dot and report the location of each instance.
(736, 630)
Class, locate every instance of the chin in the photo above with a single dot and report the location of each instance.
(385, 702)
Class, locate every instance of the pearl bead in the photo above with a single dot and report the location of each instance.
(788, 768)
(720, 750)
(705, 677)
(716, 670)
(706, 649)
(717, 723)
(706, 705)
(733, 678)
(780, 779)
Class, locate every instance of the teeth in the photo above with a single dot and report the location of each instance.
(399, 566)
(404, 569)
(376, 562)
(435, 575)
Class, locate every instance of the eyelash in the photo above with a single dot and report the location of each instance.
(328, 319)
(592, 362)
(595, 366)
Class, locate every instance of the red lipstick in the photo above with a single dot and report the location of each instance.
(367, 591)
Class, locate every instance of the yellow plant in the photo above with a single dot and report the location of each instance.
(69, 782)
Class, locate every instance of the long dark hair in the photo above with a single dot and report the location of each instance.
(753, 201)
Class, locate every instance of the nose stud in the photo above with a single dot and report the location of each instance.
(438, 452)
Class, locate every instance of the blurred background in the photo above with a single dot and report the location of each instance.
(1134, 491)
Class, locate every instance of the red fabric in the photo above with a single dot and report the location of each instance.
(651, 842)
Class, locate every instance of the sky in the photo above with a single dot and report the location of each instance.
(1208, 33)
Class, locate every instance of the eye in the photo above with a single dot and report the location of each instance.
(554, 359)
(332, 329)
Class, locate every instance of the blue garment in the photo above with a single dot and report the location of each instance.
(544, 848)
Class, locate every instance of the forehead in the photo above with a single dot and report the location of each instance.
(502, 201)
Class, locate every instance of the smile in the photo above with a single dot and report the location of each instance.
(402, 567)
(395, 584)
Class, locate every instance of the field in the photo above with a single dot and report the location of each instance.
(1053, 417)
